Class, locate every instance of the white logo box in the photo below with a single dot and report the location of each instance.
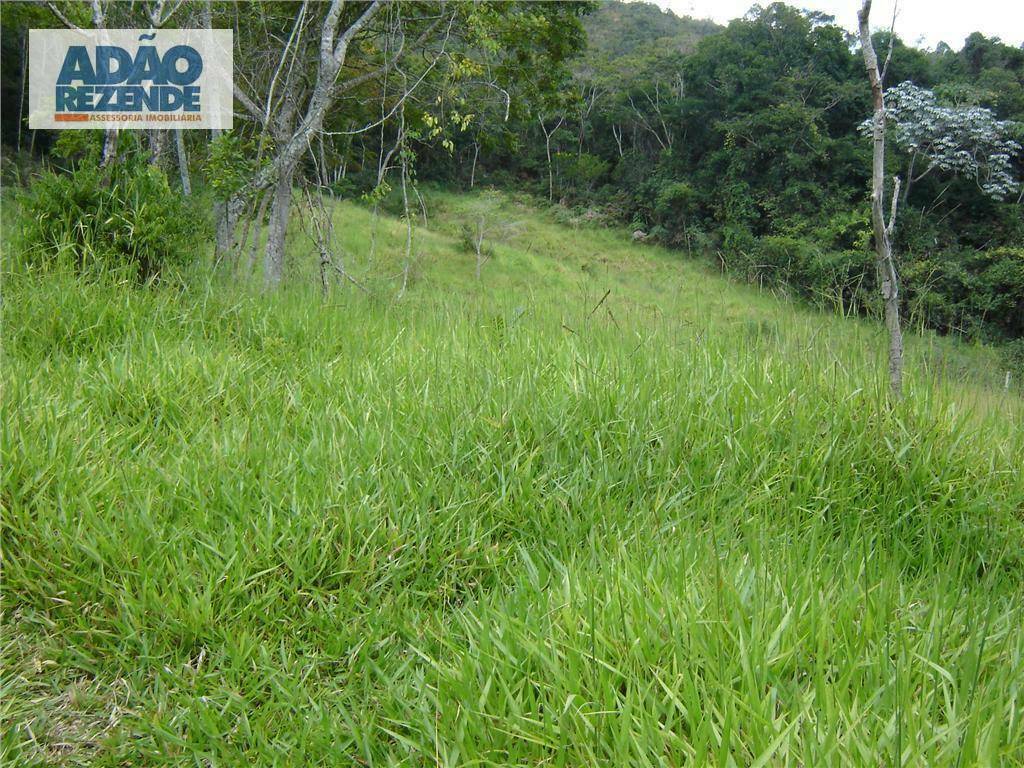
(132, 98)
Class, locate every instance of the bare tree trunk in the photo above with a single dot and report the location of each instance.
(423, 205)
(220, 218)
(99, 21)
(221, 209)
(109, 146)
(256, 234)
(408, 217)
(883, 231)
(472, 173)
(21, 86)
(547, 148)
(156, 146)
(226, 215)
(617, 133)
(551, 177)
(273, 258)
(179, 145)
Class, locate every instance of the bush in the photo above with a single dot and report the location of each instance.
(468, 235)
(675, 206)
(1013, 358)
(999, 299)
(979, 294)
(123, 217)
(17, 167)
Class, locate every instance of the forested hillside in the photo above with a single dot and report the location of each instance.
(744, 144)
(616, 30)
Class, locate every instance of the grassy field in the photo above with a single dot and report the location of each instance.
(600, 507)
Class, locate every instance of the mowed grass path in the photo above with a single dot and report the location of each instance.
(492, 525)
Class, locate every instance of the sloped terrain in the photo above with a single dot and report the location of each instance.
(598, 507)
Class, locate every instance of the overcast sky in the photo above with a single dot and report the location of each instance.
(923, 22)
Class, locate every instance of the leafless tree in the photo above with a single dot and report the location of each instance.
(882, 229)
(487, 223)
(295, 118)
(660, 131)
(179, 146)
(589, 95)
(617, 133)
(547, 148)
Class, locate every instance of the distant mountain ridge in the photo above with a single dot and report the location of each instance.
(618, 29)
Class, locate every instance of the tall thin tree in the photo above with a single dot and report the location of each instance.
(883, 230)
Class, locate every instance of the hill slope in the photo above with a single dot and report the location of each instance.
(617, 29)
(599, 507)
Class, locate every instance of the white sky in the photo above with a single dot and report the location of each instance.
(920, 22)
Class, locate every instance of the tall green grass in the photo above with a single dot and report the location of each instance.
(492, 524)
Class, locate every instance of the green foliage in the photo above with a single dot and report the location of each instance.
(979, 294)
(124, 218)
(749, 134)
(74, 147)
(618, 31)
(580, 171)
(676, 205)
(233, 160)
(1013, 356)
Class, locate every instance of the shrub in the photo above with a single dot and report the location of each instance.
(675, 207)
(976, 293)
(581, 171)
(468, 234)
(1013, 357)
(1000, 295)
(123, 217)
(17, 167)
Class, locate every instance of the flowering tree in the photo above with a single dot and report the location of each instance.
(968, 141)
(964, 140)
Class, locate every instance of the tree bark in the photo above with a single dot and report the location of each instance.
(226, 214)
(405, 208)
(109, 147)
(547, 148)
(617, 133)
(156, 146)
(179, 145)
(551, 177)
(258, 222)
(273, 258)
(472, 173)
(883, 231)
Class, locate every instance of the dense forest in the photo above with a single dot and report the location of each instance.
(744, 143)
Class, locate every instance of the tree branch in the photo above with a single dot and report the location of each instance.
(895, 199)
(248, 103)
(63, 19)
(892, 41)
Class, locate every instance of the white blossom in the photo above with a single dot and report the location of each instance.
(969, 141)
